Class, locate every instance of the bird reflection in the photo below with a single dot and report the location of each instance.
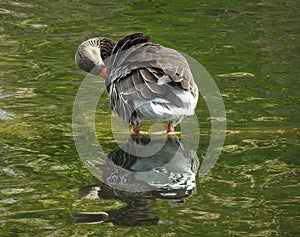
(135, 174)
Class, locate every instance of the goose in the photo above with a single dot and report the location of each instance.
(144, 81)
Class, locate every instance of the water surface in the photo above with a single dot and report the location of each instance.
(251, 49)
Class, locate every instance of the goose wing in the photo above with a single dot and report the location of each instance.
(136, 51)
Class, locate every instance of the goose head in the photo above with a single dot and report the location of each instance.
(91, 54)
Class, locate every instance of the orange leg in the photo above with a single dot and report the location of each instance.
(170, 128)
(136, 129)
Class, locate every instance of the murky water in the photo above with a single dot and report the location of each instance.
(250, 48)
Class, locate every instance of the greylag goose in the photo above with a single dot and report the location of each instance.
(144, 81)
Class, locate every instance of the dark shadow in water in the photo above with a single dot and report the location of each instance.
(169, 174)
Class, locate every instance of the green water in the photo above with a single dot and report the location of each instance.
(250, 48)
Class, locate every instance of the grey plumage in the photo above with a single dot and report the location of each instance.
(146, 80)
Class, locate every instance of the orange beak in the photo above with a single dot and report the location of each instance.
(103, 74)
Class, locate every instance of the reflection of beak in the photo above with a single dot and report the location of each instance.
(90, 217)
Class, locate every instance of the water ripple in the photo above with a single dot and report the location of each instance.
(4, 11)
(252, 144)
(236, 74)
(5, 115)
